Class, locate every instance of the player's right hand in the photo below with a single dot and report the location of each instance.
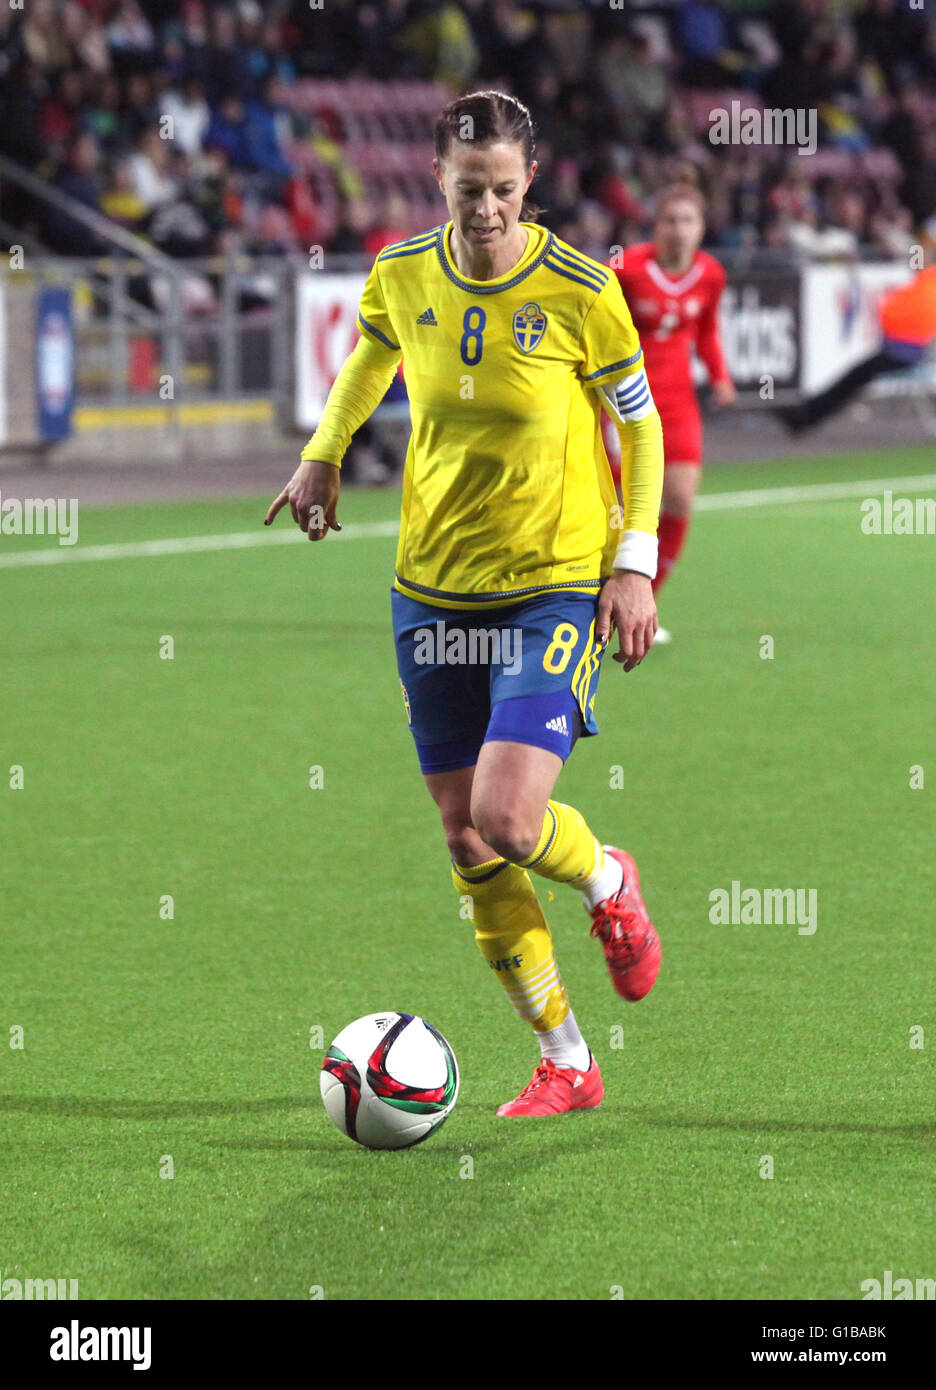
(312, 495)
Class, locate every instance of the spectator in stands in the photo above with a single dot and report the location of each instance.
(843, 92)
(229, 61)
(139, 112)
(103, 115)
(354, 223)
(273, 234)
(217, 192)
(120, 200)
(226, 132)
(722, 227)
(890, 232)
(610, 114)
(565, 38)
(180, 229)
(392, 224)
(614, 192)
(799, 80)
(438, 36)
(151, 173)
(712, 54)
(847, 212)
(190, 114)
(906, 133)
(792, 195)
(78, 178)
(22, 93)
(562, 203)
(87, 39)
(583, 125)
(266, 127)
(594, 232)
(43, 38)
(896, 38)
(196, 50)
(634, 86)
(62, 114)
(795, 21)
(816, 238)
(676, 135)
(352, 37)
(262, 43)
(542, 89)
(501, 28)
(130, 38)
(304, 212)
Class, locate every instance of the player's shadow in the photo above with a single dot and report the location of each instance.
(337, 1148)
(440, 1146)
(101, 1109)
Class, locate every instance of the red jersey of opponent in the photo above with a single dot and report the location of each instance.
(670, 315)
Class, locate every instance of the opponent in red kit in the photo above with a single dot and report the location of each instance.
(672, 290)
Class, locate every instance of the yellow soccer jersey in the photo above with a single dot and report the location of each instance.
(507, 490)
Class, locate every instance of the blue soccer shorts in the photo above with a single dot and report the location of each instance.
(525, 673)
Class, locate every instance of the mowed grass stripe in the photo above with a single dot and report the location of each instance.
(375, 530)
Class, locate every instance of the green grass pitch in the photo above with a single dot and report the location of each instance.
(294, 908)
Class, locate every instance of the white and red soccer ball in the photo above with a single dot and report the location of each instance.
(389, 1080)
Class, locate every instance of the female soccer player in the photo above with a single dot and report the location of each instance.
(673, 289)
(510, 574)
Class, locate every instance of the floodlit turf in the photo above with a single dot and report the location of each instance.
(147, 1039)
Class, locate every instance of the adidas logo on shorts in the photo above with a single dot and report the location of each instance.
(559, 725)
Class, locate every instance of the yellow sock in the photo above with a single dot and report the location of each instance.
(513, 937)
(567, 851)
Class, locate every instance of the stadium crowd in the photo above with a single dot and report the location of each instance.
(620, 95)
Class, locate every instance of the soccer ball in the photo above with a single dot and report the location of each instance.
(389, 1080)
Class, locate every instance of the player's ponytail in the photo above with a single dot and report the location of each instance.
(485, 118)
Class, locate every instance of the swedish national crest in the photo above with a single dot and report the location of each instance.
(529, 325)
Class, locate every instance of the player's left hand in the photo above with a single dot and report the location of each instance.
(627, 606)
(724, 393)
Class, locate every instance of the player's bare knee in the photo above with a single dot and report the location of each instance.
(508, 832)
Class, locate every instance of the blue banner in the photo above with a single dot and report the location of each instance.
(55, 362)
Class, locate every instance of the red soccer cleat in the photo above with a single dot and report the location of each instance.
(554, 1090)
(631, 944)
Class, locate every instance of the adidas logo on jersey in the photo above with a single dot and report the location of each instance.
(558, 725)
(428, 317)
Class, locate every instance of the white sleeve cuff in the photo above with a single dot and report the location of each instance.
(637, 551)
